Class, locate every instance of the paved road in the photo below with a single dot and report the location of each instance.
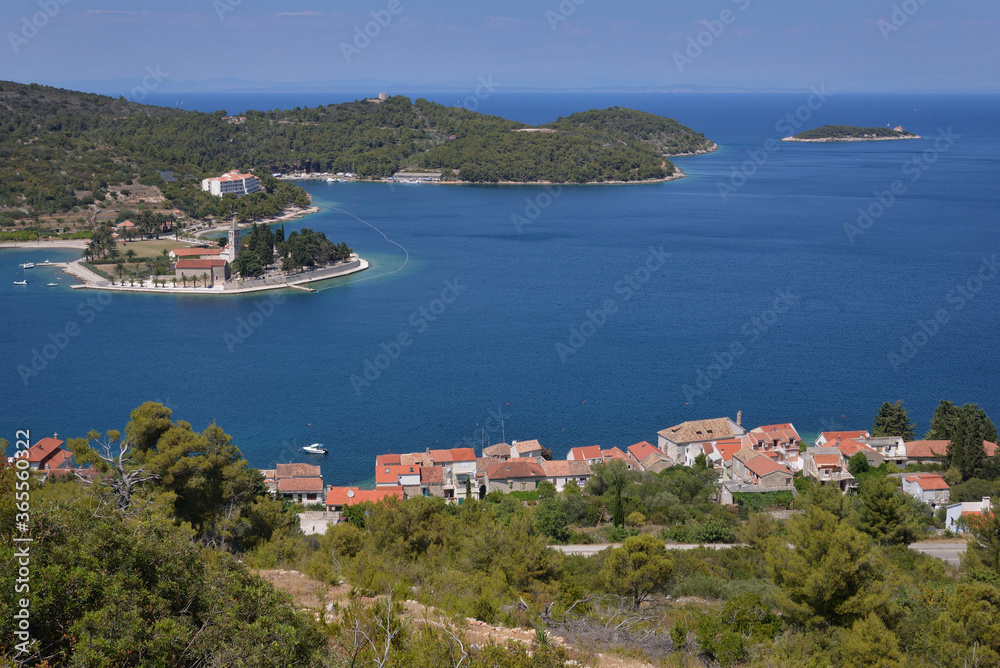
(591, 550)
(949, 552)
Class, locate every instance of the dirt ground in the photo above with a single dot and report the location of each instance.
(313, 595)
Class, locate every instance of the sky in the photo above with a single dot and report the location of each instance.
(847, 45)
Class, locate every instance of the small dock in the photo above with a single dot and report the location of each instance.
(300, 287)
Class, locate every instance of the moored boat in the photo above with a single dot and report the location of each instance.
(315, 448)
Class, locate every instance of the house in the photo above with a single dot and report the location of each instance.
(891, 448)
(195, 253)
(766, 472)
(965, 509)
(619, 454)
(676, 441)
(782, 439)
(828, 466)
(926, 452)
(514, 476)
(648, 458)
(825, 436)
(561, 471)
(592, 454)
(339, 497)
(232, 182)
(851, 447)
(499, 451)
(302, 483)
(397, 475)
(43, 453)
(526, 449)
(927, 487)
(459, 466)
(217, 270)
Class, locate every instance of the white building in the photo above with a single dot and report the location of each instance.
(956, 510)
(927, 487)
(231, 182)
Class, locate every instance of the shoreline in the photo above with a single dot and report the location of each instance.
(283, 218)
(830, 140)
(92, 281)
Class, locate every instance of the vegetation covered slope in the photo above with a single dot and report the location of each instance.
(853, 132)
(61, 149)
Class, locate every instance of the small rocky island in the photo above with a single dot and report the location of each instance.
(829, 133)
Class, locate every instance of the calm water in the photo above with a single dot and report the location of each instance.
(497, 300)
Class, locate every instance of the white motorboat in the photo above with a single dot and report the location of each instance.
(315, 448)
(20, 282)
(27, 265)
(52, 285)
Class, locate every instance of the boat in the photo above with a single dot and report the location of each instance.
(315, 448)
(20, 282)
(27, 265)
(52, 285)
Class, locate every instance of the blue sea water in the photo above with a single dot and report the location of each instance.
(615, 311)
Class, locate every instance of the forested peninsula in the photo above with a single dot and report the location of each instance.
(830, 133)
(64, 150)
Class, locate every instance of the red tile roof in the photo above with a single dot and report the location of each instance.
(851, 447)
(43, 449)
(557, 468)
(615, 453)
(587, 453)
(515, 469)
(763, 466)
(497, 450)
(642, 449)
(390, 474)
(345, 496)
(926, 449)
(728, 447)
(432, 475)
(928, 481)
(297, 470)
(768, 433)
(299, 485)
(832, 435)
(827, 460)
(59, 460)
(387, 460)
(527, 446)
(453, 455)
(200, 264)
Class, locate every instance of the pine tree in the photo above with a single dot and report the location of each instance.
(894, 420)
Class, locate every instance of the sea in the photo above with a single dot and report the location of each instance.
(783, 282)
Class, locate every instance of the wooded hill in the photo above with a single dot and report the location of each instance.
(60, 148)
(853, 132)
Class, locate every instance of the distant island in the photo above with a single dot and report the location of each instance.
(832, 133)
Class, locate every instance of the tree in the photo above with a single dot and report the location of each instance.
(204, 279)
(637, 568)
(870, 643)
(551, 520)
(894, 420)
(885, 512)
(943, 422)
(826, 571)
(610, 480)
(983, 548)
(858, 464)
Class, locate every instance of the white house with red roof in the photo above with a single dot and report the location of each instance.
(216, 269)
(826, 436)
(48, 453)
(458, 466)
(966, 509)
(930, 488)
(397, 475)
(924, 451)
(561, 471)
(302, 483)
(232, 182)
(648, 458)
(531, 449)
(679, 441)
(592, 454)
(339, 497)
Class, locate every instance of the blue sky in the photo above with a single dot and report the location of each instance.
(847, 45)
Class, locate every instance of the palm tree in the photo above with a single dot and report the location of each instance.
(120, 269)
(184, 280)
(175, 280)
(204, 278)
